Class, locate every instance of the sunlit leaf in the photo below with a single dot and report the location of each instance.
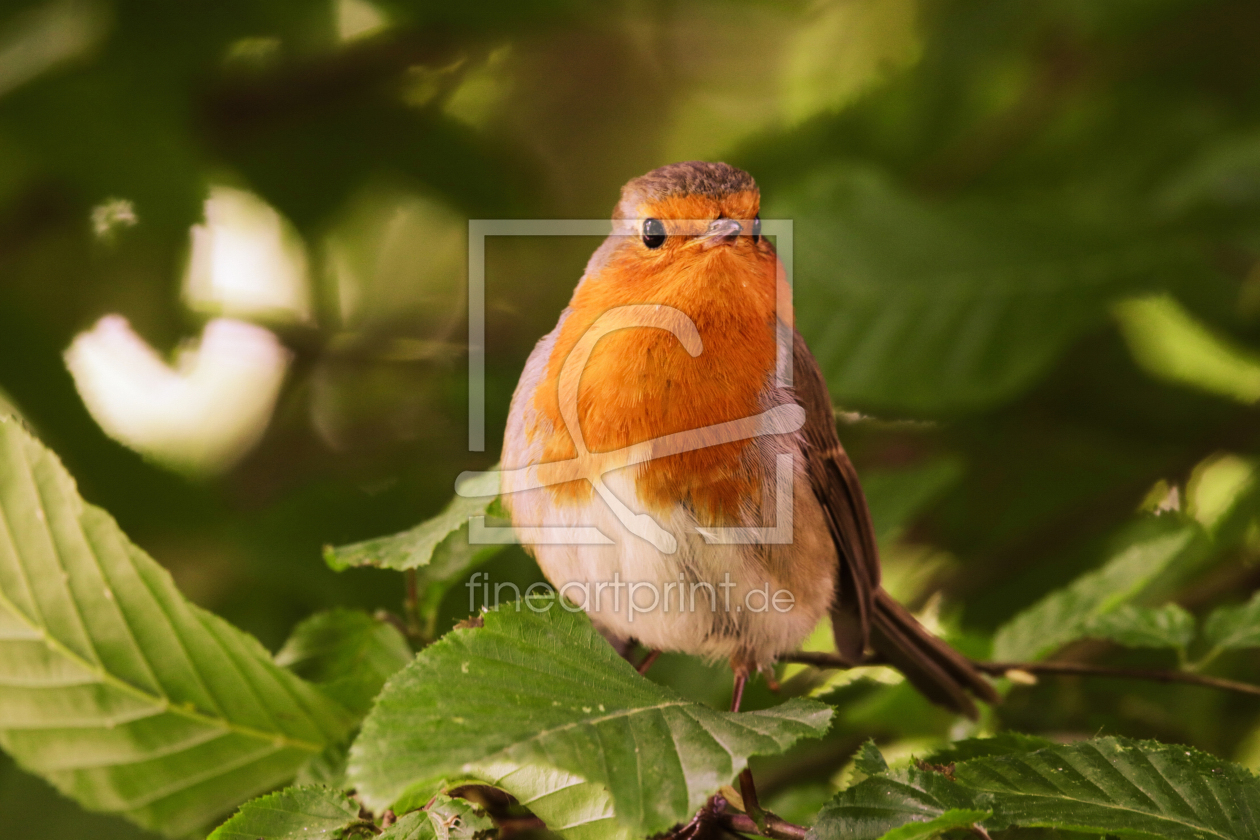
(114, 688)
(570, 806)
(1216, 487)
(1167, 342)
(1066, 614)
(1169, 626)
(543, 688)
(347, 653)
(295, 813)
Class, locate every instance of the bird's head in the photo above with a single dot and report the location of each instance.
(683, 224)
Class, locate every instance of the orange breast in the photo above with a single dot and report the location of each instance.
(640, 383)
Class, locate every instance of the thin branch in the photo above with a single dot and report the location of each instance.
(775, 826)
(1149, 674)
(822, 660)
(1001, 669)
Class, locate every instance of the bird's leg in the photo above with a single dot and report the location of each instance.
(643, 666)
(747, 790)
(741, 679)
(704, 824)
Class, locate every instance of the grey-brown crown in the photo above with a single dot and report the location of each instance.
(692, 177)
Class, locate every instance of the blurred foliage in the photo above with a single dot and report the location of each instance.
(1026, 243)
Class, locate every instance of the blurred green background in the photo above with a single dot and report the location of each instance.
(1026, 242)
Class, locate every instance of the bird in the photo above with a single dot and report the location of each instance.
(709, 505)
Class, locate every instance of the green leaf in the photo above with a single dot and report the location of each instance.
(945, 306)
(438, 549)
(295, 813)
(948, 821)
(115, 689)
(1232, 628)
(1108, 785)
(1167, 342)
(1004, 743)
(347, 653)
(1169, 626)
(444, 819)
(543, 688)
(1118, 786)
(415, 547)
(870, 760)
(570, 806)
(1218, 486)
(882, 804)
(1066, 614)
(328, 768)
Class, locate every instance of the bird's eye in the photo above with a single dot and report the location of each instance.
(757, 228)
(653, 233)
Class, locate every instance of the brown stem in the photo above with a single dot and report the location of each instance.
(651, 657)
(1001, 669)
(775, 826)
(1149, 674)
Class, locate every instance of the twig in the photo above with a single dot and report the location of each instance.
(821, 660)
(1150, 674)
(1001, 669)
(775, 826)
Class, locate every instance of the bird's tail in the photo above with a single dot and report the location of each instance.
(943, 674)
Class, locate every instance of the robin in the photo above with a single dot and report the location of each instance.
(676, 428)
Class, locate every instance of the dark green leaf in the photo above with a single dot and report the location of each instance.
(1168, 626)
(295, 813)
(870, 760)
(545, 689)
(1118, 786)
(1231, 628)
(444, 819)
(414, 548)
(347, 653)
(1004, 743)
(1065, 615)
(880, 804)
(896, 497)
(115, 689)
(945, 306)
(1108, 785)
(951, 819)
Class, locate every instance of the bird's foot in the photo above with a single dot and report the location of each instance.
(707, 823)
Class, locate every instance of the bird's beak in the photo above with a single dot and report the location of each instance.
(720, 231)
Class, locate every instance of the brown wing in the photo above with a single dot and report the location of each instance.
(862, 612)
(835, 483)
